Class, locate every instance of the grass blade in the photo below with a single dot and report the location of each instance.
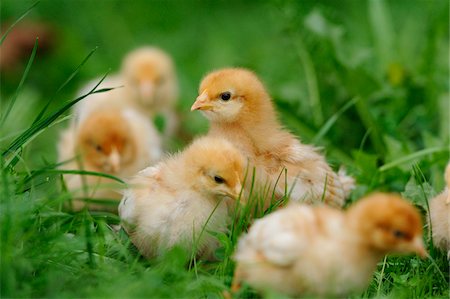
(19, 88)
(332, 120)
(75, 72)
(17, 21)
(413, 156)
(43, 123)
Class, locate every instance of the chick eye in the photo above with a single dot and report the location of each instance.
(98, 148)
(225, 96)
(399, 234)
(219, 179)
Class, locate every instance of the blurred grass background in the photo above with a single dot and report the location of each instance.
(366, 80)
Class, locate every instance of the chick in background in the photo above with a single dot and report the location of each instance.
(183, 198)
(240, 110)
(439, 216)
(115, 141)
(147, 82)
(303, 250)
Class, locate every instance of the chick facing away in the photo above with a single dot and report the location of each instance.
(180, 200)
(240, 110)
(439, 216)
(303, 250)
(119, 142)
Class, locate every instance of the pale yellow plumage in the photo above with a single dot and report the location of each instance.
(306, 250)
(170, 203)
(240, 109)
(439, 216)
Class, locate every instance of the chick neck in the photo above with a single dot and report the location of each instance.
(358, 224)
(256, 125)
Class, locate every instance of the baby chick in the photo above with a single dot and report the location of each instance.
(113, 141)
(321, 251)
(439, 216)
(147, 81)
(180, 200)
(150, 78)
(239, 109)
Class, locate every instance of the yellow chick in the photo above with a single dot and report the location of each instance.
(240, 109)
(147, 82)
(183, 198)
(303, 250)
(115, 141)
(439, 216)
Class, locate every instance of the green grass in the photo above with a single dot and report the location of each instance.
(365, 80)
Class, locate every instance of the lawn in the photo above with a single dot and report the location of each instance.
(368, 81)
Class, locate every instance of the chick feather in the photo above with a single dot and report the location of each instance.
(240, 110)
(439, 216)
(180, 200)
(321, 251)
(115, 141)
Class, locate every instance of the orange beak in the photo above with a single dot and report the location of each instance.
(419, 247)
(114, 160)
(202, 102)
(146, 89)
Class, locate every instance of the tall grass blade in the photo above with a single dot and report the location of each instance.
(412, 157)
(332, 120)
(16, 22)
(44, 123)
(22, 81)
(74, 73)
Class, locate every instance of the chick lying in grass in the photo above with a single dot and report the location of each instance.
(321, 251)
(114, 141)
(147, 82)
(183, 198)
(240, 110)
(439, 216)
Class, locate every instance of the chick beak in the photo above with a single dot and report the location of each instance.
(237, 190)
(419, 248)
(202, 103)
(146, 89)
(114, 161)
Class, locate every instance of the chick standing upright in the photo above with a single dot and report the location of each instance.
(239, 109)
(320, 251)
(147, 81)
(439, 216)
(183, 198)
(115, 141)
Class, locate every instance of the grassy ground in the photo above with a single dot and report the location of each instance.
(366, 80)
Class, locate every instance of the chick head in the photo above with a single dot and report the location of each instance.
(227, 94)
(215, 167)
(389, 223)
(105, 143)
(150, 74)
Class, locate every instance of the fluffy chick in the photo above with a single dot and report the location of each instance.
(304, 250)
(180, 200)
(439, 216)
(113, 141)
(148, 82)
(240, 109)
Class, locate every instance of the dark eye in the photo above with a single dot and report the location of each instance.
(399, 234)
(219, 180)
(225, 96)
(98, 148)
